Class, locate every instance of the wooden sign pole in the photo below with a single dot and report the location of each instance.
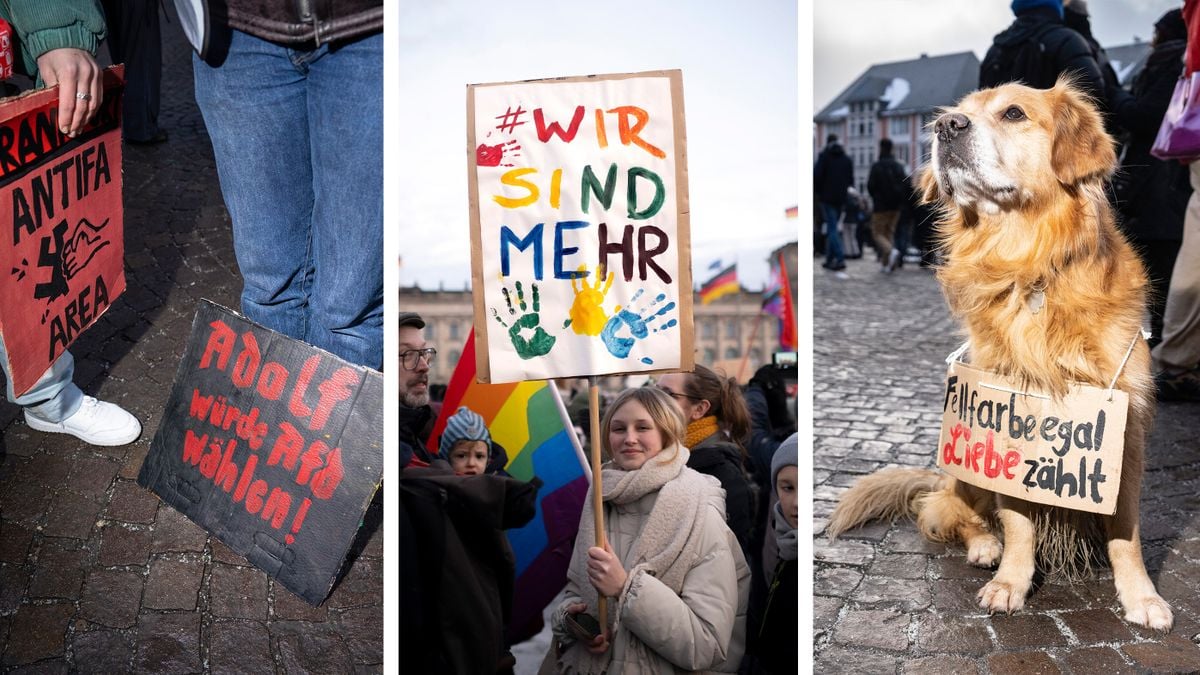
(597, 491)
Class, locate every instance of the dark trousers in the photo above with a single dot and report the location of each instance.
(134, 38)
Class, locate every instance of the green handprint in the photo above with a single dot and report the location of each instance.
(541, 342)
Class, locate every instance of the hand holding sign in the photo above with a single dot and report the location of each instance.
(541, 342)
(80, 86)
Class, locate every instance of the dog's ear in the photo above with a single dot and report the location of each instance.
(930, 191)
(1082, 149)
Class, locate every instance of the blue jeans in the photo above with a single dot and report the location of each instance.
(54, 397)
(298, 140)
(834, 255)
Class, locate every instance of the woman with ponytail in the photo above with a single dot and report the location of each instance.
(718, 424)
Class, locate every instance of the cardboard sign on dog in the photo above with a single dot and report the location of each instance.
(579, 226)
(272, 445)
(1064, 453)
(64, 230)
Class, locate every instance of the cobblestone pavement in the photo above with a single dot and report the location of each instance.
(887, 601)
(96, 574)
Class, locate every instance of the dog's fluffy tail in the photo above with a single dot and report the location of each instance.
(889, 493)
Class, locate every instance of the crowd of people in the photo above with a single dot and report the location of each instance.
(1157, 208)
(698, 561)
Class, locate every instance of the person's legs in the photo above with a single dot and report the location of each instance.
(56, 405)
(882, 224)
(834, 257)
(135, 39)
(1180, 346)
(255, 107)
(345, 110)
(54, 397)
(1177, 357)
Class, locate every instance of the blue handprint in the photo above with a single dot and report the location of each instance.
(638, 322)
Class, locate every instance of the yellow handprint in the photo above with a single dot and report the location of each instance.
(587, 315)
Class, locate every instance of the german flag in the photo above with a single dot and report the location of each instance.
(791, 212)
(724, 283)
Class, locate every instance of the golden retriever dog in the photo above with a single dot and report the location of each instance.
(1048, 292)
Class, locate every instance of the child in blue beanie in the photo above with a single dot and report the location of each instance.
(466, 443)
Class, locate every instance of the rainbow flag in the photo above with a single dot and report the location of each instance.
(523, 418)
(777, 301)
(724, 283)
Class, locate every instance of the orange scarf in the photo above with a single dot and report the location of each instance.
(699, 430)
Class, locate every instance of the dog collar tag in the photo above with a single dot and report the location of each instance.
(1035, 301)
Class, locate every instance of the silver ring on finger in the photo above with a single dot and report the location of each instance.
(83, 96)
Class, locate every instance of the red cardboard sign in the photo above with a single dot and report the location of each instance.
(61, 225)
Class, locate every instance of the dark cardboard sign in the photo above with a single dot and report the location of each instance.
(272, 445)
(63, 226)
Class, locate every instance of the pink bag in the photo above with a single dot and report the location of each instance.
(1179, 135)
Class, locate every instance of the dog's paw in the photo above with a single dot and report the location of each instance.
(1002, 596)
(1150, 612)
(984, 551)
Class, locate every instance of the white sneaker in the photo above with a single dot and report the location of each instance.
(893, 260)
(95, 423)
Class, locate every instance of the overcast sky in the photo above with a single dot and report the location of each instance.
(740, 83)
(851, 35)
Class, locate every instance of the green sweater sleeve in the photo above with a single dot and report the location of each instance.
(45, 25)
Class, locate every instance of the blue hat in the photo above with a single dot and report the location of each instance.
(463, 425)
(1019, 6)
(785, 455)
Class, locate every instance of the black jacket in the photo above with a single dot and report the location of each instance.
(1066, 50)
(457, 567)
(413, 422)
(887, 184)
(833, 174)
(773, 626)
(722, 460)
(303, 21)
(1150, 194)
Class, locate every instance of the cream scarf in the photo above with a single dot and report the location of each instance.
(667, 548)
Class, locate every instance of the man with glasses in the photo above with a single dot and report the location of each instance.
(415, 411)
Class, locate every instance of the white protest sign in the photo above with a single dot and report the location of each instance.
(1027, 445)
(579, 226)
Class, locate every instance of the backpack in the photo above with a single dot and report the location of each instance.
(1028, 62)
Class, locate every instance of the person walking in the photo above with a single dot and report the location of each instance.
(887, 184)
(832, 176)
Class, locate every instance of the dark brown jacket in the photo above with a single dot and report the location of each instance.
(305, 21)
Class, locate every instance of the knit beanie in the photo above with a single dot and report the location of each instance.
(463, 425)
(785, 455)
(1019, 6)
(1170, 26)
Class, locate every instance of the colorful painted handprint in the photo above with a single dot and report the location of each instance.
(639, 324)
(539, 343)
